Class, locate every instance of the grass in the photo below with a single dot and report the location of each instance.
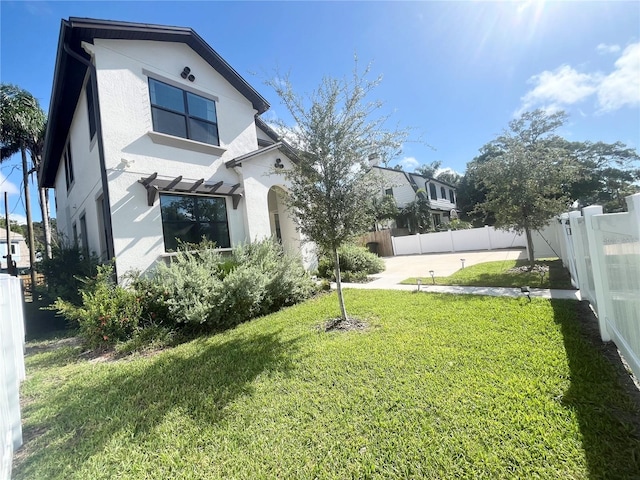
(440, 386)
(497, 274)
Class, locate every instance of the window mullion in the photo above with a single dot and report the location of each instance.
(186, 111)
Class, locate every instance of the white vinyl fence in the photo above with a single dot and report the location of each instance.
(602, 252)
(12, 372)
(545, 243)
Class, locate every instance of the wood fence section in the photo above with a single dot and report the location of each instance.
(378, 242)
(12, 371)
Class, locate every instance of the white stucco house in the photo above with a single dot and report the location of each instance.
(19, 249)
(404, 187)
(153, 137)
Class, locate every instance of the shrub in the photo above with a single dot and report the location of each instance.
(65, 270)
(204, 288)
(355, 264)
(188, 290)
(455, 224)
(108, 313)
(198, 290)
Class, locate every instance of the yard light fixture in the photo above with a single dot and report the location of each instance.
(419, 284)
(462, 260)
(526, 291)
(432, 273)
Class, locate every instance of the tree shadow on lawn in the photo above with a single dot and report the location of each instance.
(136, 398)
(602, 394)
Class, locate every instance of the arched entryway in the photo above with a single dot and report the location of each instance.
(282, 226)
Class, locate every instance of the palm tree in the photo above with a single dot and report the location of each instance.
(22, 126)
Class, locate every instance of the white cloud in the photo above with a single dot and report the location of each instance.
(409, 163)
(622, 86)
(7, 186)
(564, 86)
(447, 170)
(554, 90)
(18, 218)
(603, 48)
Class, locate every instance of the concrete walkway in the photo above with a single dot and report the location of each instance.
(402, 267)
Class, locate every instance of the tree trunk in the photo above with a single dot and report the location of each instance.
(27, 207)
(527, 232)
(46, 225)
(336, 260)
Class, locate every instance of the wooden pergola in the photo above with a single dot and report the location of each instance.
(155, 185)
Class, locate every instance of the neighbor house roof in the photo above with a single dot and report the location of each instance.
(69, 74)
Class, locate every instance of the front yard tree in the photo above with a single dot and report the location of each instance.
(22, 130)
(384, 208)
(336, 128)
(526, 177)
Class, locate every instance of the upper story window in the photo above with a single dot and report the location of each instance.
(68, 166)
(91, 109)
(443, 193)
(389, 191)
(432, 192)
(183, 114)
(451, 196)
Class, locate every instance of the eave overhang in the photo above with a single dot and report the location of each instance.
(281, 146)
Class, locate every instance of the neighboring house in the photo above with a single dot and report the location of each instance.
(19, 249)
(405, 187)
(153, 138)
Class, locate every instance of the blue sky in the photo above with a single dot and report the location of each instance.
(455, 72)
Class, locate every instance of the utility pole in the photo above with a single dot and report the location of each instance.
(6, 214)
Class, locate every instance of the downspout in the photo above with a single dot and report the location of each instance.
(106, 204)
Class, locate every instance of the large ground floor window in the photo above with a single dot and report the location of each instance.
(190, 218)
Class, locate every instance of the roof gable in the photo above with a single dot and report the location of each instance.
(69, 73)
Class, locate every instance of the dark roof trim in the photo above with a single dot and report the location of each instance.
(270, 132)
(235, 162)
(69, 74)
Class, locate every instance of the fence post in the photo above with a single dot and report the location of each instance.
(599, 273)
(578, 254)
(570, 247)
(633, 207)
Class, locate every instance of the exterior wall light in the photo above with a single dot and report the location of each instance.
(278, 163)
(186, 73)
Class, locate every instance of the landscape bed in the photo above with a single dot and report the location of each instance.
(438, 386)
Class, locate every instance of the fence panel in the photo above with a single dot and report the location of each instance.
(407, 245)
(619, 249)
(12, 371)
(605, 254)
(437, 242)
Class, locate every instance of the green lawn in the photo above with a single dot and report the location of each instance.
(497, 274)
(440, 386)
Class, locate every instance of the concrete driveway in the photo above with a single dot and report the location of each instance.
(443, 264)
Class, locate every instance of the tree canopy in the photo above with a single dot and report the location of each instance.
(336, 129)
(526, 176)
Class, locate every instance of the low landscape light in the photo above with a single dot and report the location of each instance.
(419, 284)
(432, 273)
(462, 260)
